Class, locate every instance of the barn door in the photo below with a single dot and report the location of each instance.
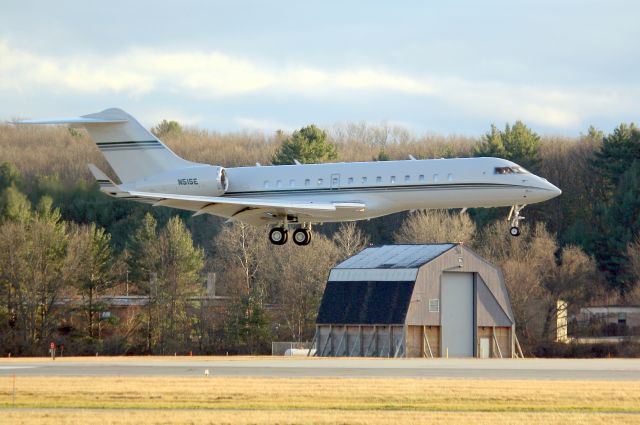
(456, 312)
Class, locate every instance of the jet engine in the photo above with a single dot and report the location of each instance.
(201, 180)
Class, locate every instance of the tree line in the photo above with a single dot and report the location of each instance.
(64, 245)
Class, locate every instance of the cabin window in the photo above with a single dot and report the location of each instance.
(421, 177)
(379, 179)
(266, 184)
(350, 180)
(450, 177)
(335, 181)
(320, 181)
(393, 179)
(292, 183)
(307, 182)
(279, 183)
(407, 178)
(364, 180)
(436, 177)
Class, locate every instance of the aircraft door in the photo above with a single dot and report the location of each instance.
(335, 181)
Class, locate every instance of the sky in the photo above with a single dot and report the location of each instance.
(453, 67)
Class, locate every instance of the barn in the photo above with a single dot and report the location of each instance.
(436, 300)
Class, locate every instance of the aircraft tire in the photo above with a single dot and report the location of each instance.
(514, 231)
(302, 237)
(278, 236)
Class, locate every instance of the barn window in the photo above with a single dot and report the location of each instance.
(434, 305)
(622, 318)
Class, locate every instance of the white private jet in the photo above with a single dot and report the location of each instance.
(299, 195)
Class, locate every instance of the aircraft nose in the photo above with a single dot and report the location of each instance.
(553, 189)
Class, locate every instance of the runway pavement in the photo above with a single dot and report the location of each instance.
(286, 367)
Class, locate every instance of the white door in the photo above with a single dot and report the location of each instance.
(456, 314)
(485, 345)
(335, 181)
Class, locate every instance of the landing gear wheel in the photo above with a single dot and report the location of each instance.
(514, 219)
(302, 237)
(278, 236)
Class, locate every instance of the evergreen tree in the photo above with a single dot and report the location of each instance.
(308, 145)
(9, 175)
(621, 226)
(516, 143)
(143, 258)
(167, 127)
(179, 267)
(14, 205)
(88, 268)
(618, 151)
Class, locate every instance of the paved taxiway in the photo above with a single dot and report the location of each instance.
(561, 369)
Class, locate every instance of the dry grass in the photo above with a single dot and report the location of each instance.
(320, 400)
(132, 417)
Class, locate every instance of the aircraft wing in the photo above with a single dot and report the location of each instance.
(249, 210)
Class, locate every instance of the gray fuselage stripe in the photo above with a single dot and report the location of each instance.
(440, 186)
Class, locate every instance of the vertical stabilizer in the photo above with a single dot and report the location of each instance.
(132, 151)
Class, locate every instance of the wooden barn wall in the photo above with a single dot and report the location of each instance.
(499, 337)
(418, 345)
(428, 283)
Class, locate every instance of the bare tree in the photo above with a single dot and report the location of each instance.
(300, 274)
(526, 263)
(349, 240)
(436, 226)
(240, 253)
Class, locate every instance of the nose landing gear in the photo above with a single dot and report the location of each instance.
(514, 218)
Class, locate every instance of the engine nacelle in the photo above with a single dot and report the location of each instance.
(203, 180)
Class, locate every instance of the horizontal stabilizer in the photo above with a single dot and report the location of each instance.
(106, 184)
(77, 121)
(132, 151)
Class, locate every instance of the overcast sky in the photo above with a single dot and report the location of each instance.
(449, 67)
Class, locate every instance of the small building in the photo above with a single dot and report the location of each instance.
(628, 315)
(438, 300)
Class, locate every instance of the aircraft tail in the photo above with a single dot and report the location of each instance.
(132, 151)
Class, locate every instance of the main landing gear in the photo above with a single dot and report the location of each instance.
(514, 218)
(280, 235)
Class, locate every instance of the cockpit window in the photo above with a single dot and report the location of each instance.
(516, 169)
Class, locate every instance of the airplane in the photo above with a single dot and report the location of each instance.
(299, 195)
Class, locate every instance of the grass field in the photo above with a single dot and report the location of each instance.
(133, 400)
